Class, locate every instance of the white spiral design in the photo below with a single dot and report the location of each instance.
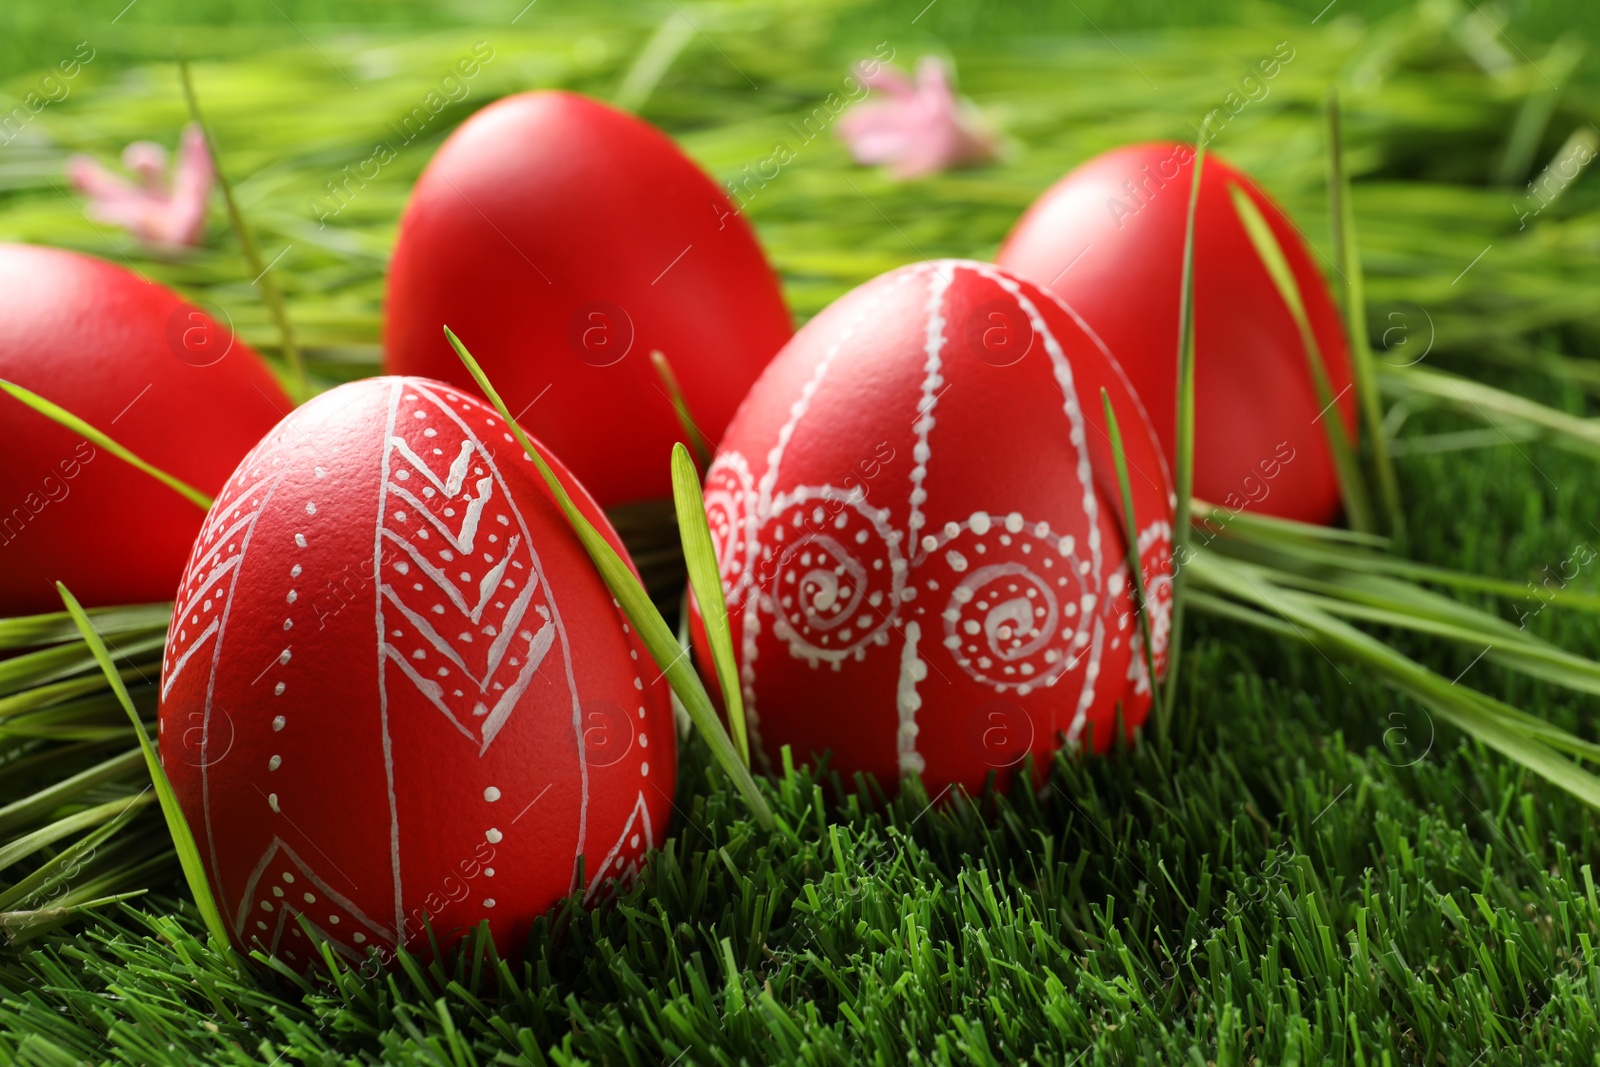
(831, 573)
(1017, 611)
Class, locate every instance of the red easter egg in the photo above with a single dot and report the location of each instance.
(157, 374)
(919, 528)
(568, 240)
(1108, 239)
(396, 689)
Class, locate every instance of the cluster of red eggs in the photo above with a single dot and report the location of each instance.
(395, 691)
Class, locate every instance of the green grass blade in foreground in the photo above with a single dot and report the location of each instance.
(1225, 608)
(1274, 528)
(1183, 476)
(57, 868)
(61, 415)
(1385, 601)
(20, 848)
(56, 627)
(182, 839)
(1480, 717)
(1347, 261)
(1313, 549)
(1131, 532)
(21, 672)
(52, 796)
(271, 295)
(636, 604)
(21, 926)
(680, 407)
(1352, 485)
(705, 579)
(1491, 405)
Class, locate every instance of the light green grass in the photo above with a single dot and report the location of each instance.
(1307, 870)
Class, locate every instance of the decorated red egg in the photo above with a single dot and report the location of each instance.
(569, 240)
(920, 531)
(1108, 239)
(157, 374)
(396, 692)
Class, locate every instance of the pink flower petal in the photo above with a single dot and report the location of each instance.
(918, 128)
(148, 161)
(162, 208)
(887, 79)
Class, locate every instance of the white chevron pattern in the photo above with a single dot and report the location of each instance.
(465, 613)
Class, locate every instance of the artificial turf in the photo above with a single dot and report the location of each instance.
(1307, 870)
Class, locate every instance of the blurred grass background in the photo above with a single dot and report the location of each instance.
(1449, 116)
(1310, 873)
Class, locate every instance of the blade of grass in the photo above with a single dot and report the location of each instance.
(680, 406)
(271, 295)
(1533, 117)
(61, 415)
(1399, 605)
(51, 873)
(1183, 473)
(55, 692)
(20, 848)
(1463, 440)
(1273, 527)
(1131, 532)
(20, 811)
(30, 669)
(1224, 608)
(54, 628)
(21, 926)
(1352, 486)
(654, 60)
(1275, 541)
(706, 581)
(1486, 403)
(637, 606)
(1347, 262)
(1480, 717)
(182, 839)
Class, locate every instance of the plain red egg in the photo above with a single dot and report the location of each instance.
(396, 690)
(920, 532)
(568, 240)
(1108, 239)
(156, 374)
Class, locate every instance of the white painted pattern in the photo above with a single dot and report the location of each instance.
(730, 499)
(1155, 546)
(395, 389)
(932, 380)
(226, 526)
(837, 573)
(622, 861)
(757, 515)
(276, 893)
(1019, 613)
(1020, 601)
(1062, 369)
(474, 654)
(501, 595)
(913, 669)
(224, 511)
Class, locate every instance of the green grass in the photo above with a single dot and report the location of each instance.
(1308, 870)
